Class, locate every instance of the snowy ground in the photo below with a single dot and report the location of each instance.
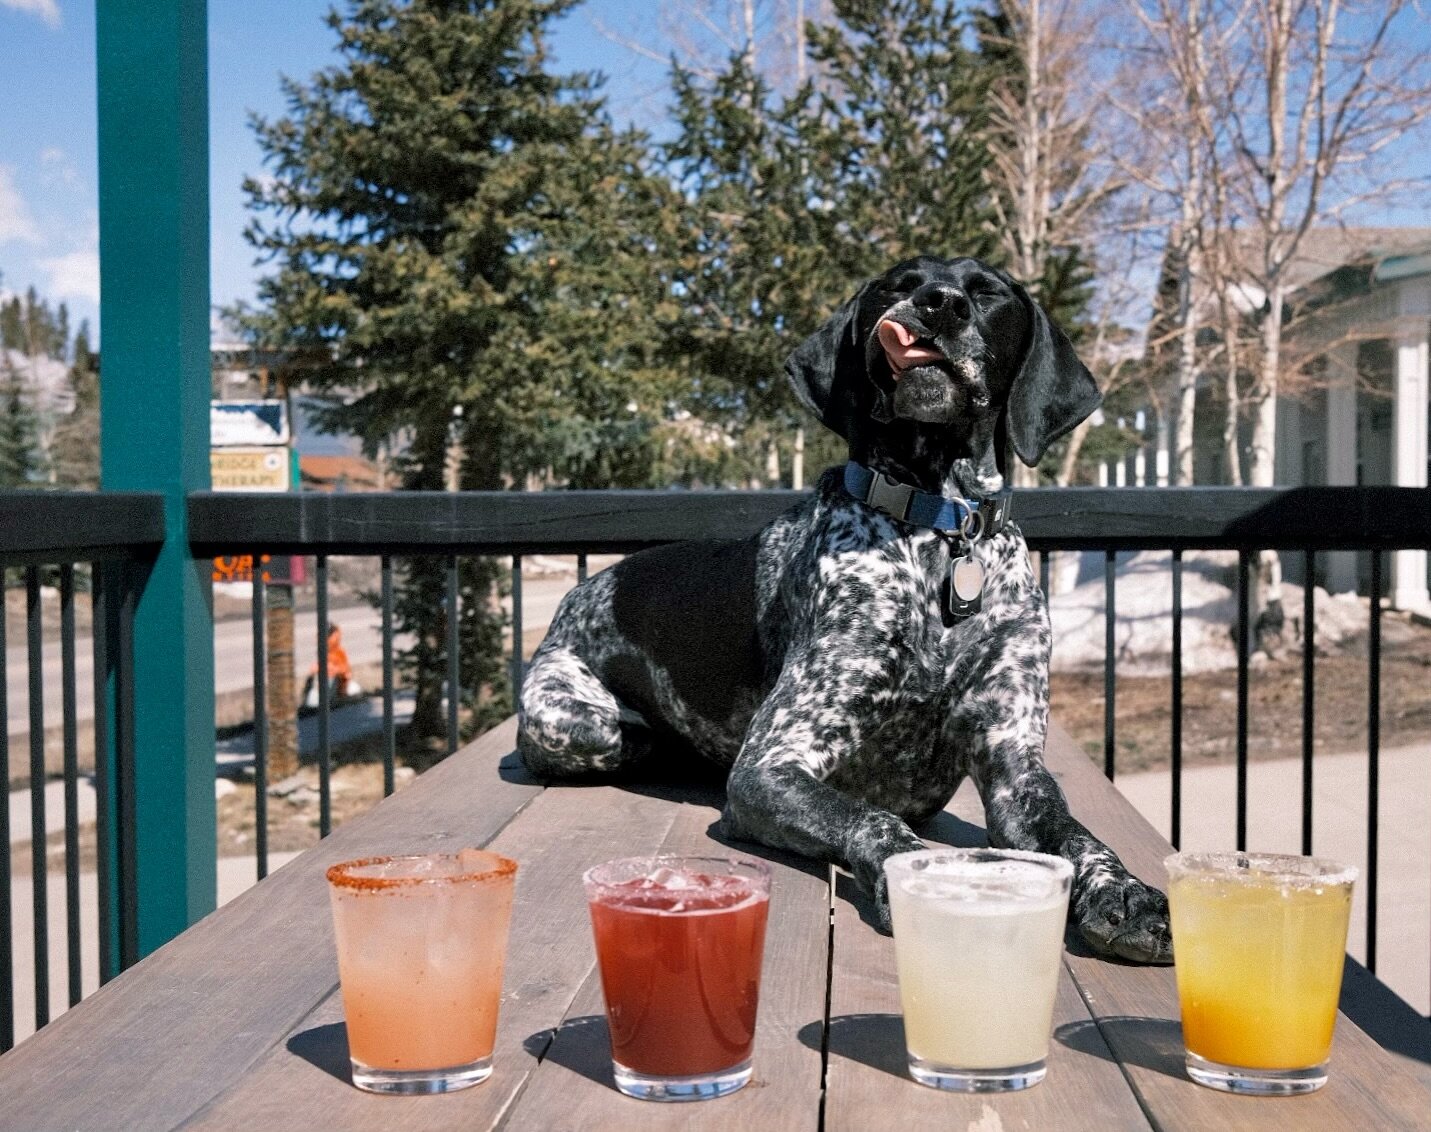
(1143, 606)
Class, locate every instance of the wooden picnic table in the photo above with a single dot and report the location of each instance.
(238, 1023)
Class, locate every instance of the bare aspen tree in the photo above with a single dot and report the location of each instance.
(1310, 94)
(1050, 182)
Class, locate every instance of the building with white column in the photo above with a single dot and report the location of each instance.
(1361, 414)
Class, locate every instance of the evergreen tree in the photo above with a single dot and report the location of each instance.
(75, 450)
(795, 201)
(21, 461)
(451, 225)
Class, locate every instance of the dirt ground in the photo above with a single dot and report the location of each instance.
(1341, 705)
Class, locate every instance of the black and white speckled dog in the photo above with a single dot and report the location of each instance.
(823, 660)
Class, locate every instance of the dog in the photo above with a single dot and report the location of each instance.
(837, 666)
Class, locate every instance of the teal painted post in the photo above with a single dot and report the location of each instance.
(154, 318)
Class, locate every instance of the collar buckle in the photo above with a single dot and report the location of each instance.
(889, 496)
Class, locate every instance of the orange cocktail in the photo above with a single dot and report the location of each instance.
(421, 943)
(1259, 941)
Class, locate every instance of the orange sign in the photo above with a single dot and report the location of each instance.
(239, 568)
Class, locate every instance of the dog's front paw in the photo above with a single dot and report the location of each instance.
(1128, 919)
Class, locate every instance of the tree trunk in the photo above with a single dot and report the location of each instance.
(1267, 596)
(282, 690)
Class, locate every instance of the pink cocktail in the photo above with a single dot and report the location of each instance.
(421, 943)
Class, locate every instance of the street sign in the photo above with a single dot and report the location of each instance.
(249, 469)
(248, 424)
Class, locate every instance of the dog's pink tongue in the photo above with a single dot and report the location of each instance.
(899, 347)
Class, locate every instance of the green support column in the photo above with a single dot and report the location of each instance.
(154, 318)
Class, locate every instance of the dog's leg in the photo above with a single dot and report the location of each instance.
(568, 722)
(1024, 808)
(776, 795)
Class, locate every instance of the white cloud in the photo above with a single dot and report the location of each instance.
(74, 275)
(17, 225)
(57, 167)
(47, 10)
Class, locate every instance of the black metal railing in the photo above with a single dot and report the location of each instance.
(79, 529)
(72, 541)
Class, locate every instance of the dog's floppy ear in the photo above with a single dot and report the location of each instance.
(1052, 392)
(820, 366)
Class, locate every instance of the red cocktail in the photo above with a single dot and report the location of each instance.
(679, 941)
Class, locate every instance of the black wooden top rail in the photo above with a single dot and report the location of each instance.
(45, 527)
(573, 522)
(60, 526)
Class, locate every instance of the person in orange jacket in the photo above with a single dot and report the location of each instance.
(340, 672)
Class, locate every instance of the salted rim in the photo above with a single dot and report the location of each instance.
(901, 866)
(759, 883)
(340, 875)
(1252, 867)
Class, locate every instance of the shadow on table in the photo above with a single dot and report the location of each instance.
(581, 1044)
(1152, 1043)
(876, 1040)
(325, 1047)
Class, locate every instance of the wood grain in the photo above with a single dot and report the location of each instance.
(1136, 1008)
(574, 1087)
(154, 1046)
(867, 1075)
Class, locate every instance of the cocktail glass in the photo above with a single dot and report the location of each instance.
(679, 941)
(1258, 939)
(978, 941)
(421, 943)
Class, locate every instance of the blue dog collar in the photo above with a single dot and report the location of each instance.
(924, 509)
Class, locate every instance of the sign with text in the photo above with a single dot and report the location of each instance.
(240, 568)
(249, 469)
(248, 424)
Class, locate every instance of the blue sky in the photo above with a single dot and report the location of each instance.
(48, 195)
(48, 210)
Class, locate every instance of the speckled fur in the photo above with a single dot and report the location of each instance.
(848, 707)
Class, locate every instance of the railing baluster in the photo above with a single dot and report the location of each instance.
(260, 721)
(580, 568)
(7, 952)
(123, 782)
(1245, 562)
(454, 640)
(325, 747)
(1044, 571)
(1110, 578)
(389, 732)
(71, 748)
(1309, 669)
(516, 628)
(1177, 720)
(1373, 758)
(103, 782)
(38, 829)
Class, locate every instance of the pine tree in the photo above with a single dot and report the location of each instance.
(451, 225)
(75, 449)
(20, 457)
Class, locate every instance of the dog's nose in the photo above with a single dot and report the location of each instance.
(942, 301)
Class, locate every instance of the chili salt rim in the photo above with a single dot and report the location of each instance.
(340, 875)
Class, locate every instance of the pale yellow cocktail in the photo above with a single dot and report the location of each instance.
(1259, 941)
(421, 944)
(978, 939)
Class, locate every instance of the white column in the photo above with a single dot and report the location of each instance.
(1408, 459)
(1340, 566)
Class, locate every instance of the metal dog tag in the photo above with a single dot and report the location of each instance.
(966, 586)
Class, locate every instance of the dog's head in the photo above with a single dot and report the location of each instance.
(945, 342)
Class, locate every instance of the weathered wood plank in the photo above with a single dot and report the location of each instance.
(155, 1045)
(867, 1076)
(574, 1088)
(549, 957)
(1136, 1008)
